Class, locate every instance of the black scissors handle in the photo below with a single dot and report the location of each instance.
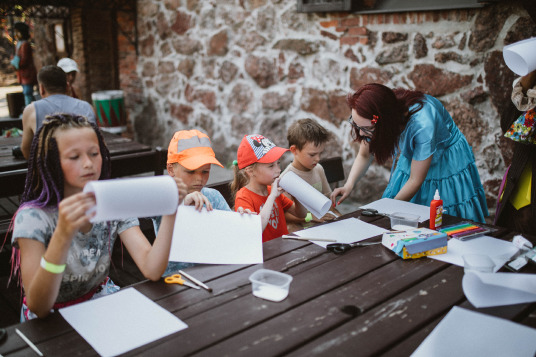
(340, 248)
(371, 212)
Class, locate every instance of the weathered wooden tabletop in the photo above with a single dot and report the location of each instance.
(365, 302)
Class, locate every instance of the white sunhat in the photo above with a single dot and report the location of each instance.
(68, 65)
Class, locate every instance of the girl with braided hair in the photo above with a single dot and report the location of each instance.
(64, 259)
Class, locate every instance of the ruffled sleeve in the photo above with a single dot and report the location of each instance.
(427, 132)
(521, 101)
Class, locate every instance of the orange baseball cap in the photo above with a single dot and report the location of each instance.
(191, 149)
(256, 148)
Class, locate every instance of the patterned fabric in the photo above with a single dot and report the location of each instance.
(277, 224)
(88, 259)
(523, 129)
(431, 131)
(522, 101)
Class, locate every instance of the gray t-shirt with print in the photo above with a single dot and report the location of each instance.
(88, 260)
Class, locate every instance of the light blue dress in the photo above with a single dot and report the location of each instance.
(431, 131)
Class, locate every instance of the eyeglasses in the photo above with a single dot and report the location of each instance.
(367, 130)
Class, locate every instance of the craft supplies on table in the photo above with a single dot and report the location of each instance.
(416, 243)
(464, 230)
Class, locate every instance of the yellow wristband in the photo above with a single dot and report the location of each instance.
(308, 217)
(52, 268)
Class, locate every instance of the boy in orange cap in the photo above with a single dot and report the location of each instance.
(190, 157)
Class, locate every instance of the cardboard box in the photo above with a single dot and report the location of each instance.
(416, 243)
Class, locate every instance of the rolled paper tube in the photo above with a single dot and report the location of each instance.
(519, 56)
(133, 197)
(310, 197)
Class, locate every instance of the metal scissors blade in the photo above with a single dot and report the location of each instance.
(177, 279)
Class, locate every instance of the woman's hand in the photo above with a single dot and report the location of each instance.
(198, 200)
(344, 192)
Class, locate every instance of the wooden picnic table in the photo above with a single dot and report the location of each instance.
(117, 145)
(365, 302)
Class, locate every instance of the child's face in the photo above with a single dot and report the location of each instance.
(307, 158)
(194, 179)
(80, 158)
(265, 174)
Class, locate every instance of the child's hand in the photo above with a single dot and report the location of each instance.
(72, 212)
(241, 210)
(276, 190)
(181, 186)
(198, 200)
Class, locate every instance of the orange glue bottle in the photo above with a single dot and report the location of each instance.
(436, 211)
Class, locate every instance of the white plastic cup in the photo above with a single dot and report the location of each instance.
(270, 284)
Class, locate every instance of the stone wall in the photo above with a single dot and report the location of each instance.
(232, 67)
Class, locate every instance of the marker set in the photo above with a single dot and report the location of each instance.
(464, 230)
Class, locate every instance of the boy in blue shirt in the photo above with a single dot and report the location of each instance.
(190, 157)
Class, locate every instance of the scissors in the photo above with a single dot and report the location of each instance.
(177, 279)
(371, 212)
(340, 248)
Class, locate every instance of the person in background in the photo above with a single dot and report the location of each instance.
(190, 157)
(256, 185)
(70, 68)
(53, 90)
(23, 62)
(515, 207)
(64, 258)
(432, 152)
(307, 140)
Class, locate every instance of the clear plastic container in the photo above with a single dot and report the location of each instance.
(270, 284)
(404, 219)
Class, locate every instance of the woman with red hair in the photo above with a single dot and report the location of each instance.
(432, 152)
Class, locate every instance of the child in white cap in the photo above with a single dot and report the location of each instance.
(70, 68)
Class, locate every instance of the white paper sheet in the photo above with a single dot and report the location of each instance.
(519, 56)
(133, 197)
(464, 333)
(310, 197)
(499, 251)
(389, 205)
(120, 322)
(345, 231)
(487, 289)
(216, 237)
